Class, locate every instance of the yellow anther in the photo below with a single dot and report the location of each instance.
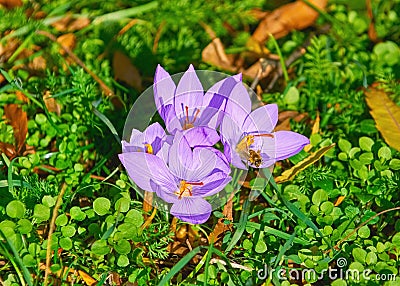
(148, 148)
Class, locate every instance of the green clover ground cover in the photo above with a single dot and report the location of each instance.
(339, 213)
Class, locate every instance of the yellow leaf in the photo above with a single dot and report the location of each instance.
(315, 130)
(289, 175)
(339, 200)
(85, 277)
(386, 115)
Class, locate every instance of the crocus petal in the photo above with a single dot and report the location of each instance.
(201, 136)
(283, 145)
(173, 123)
(180, 156)
(128, 147)
(222, 163)
(238, 105)
(230, 137)
(223, 87)
(232, 156)
(192, 210)
(163, 153)
(215, 100)
(189, 92)
(143, 168)
(209, 117)
(136, 137)
(167, 113)
(266, 161)
(164, 89)
(153, 135)
(204, 161)
(167, 195)
(212, 185)
(262, 120)
(230, 130)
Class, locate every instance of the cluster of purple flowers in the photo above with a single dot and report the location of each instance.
(181, 165)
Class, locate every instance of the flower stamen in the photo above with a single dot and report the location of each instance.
(195, 115)
(185, 188)
(148, 148)
(187, 123)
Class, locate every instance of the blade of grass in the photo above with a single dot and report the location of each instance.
(126, 13)
(19, 266)
(209, 255)
(281, 60)
(108, 123)
(241, 225)
(9, 177)
(21, 47)
(276, 232)
(177, 267)
(102, 280)
(17, 183)
(4, 252)
(19, 87)
(198, 266)
(285, 248)
(51, 230)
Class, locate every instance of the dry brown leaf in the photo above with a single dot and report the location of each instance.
(173, 225)
(259, 14)
(386, 115)
(284, 119)
(372, 34)
(293, 16)
(9, 49)
(38, 64)
(51, 104)
(70, 24)
(78, 24)
(40, 15)
(147, 202)
(114, 279)
(214, 54)
(18, 119)
(9, 4)
(87, 278)
(256, 71)
(178, 248)
(181, 233)
(8, 149)
(61, 25)
(68, 41)
(221, 227)
(125, 71)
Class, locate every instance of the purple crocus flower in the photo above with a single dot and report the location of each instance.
(248, 138)
(186, 108)
(149, 141)
(189, 176)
